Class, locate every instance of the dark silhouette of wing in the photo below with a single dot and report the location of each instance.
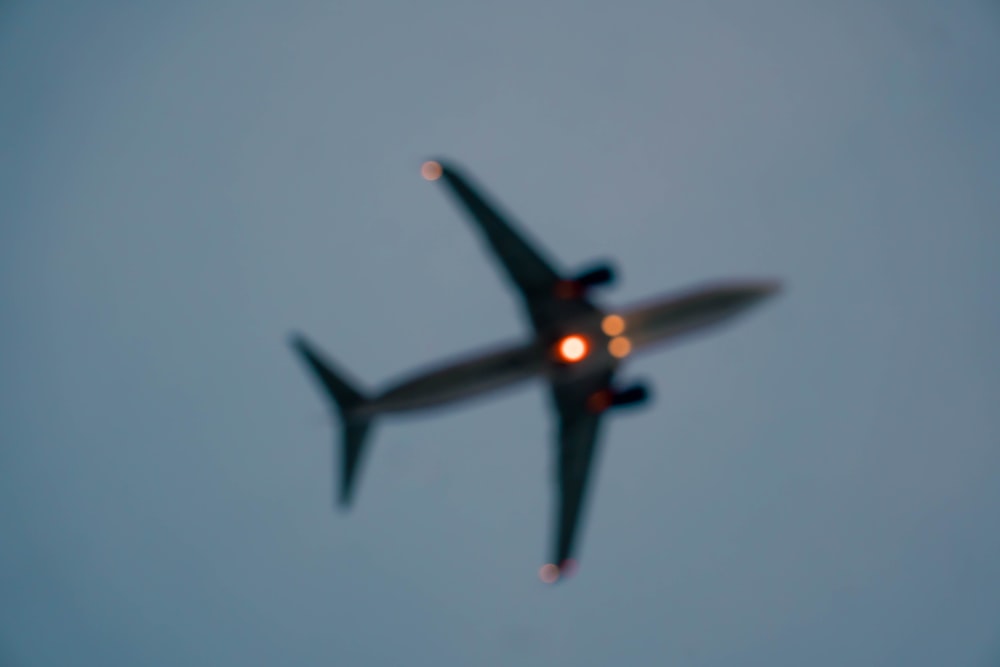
(528, 269)
(578, 431)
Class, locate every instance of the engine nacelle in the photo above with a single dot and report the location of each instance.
(635, 395)
(602, 274)
(576, 287)
(608, 398)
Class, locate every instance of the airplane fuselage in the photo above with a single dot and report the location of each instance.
(638, 327)
(576, 348)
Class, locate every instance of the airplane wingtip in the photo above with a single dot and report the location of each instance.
(549, 573)
(345, 499)
(296, 340)
(433, 169)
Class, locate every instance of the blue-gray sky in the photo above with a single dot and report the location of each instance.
(185, 183)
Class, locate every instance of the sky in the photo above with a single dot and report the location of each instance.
(186, 183)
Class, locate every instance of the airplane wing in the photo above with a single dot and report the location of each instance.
(532, 274)
(578, 431)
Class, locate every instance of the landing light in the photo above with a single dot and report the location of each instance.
(572, 348)
(619, 347)
(613, 325)
(431, 170)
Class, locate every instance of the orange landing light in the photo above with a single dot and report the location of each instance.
(431, 170)
(613, 325)
(572, 348)
(619, 347)
(548, 573)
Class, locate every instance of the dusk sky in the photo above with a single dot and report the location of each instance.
(186, 183)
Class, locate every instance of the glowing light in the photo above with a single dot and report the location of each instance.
(599, 401)
(613, 325)
(619, 347)
(548, 573)
(572, 348)
(431, 170)
(568, 289)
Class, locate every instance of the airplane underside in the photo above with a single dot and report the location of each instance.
(576, 348)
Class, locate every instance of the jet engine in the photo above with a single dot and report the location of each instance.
(601, 274)
(635, 395)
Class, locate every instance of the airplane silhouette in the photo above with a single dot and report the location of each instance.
(576, 346)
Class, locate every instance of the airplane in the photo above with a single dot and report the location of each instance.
(576, 345)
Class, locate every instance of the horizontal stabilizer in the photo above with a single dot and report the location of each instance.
(346, 398)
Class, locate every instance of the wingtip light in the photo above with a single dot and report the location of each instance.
(549, 573)
(431, 170)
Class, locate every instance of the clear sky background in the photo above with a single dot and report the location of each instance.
(184, 183)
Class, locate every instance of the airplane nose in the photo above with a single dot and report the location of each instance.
(765, 288)
(748, 294)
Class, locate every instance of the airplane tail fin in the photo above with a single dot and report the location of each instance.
(347, 400)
